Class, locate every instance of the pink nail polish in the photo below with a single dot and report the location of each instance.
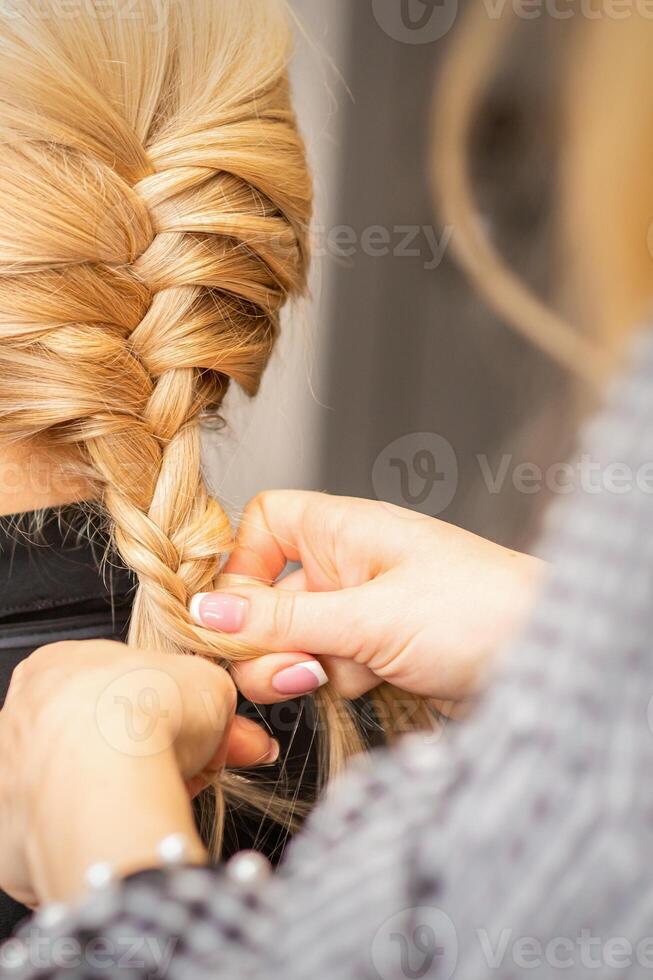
(300, 679)
(219, 611)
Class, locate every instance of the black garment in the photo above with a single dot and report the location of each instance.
(60, 583)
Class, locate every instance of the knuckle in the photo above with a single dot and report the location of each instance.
(46, 653)
(268, 500)
(257, 502)
(242, 675)
(221, 682)
(262, 502)
(350, 689)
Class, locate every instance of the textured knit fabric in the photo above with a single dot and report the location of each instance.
(518, 844)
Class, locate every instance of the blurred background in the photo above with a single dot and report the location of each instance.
(394, 380)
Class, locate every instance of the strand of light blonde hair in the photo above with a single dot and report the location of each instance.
(155, 213)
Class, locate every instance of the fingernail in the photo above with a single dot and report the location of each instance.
(219, 611)
(273, 754)
(300, 679)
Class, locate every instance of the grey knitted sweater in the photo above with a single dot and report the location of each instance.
(518, 844)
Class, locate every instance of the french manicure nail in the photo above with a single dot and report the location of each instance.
(219, 611)
(300, 679)
(273, 754)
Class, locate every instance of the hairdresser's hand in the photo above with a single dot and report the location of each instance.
(383, 594)
(101, 747)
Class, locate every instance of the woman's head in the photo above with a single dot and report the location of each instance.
(154, 203)
(154, 212)
(605, 191)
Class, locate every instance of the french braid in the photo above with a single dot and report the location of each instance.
(155, 201)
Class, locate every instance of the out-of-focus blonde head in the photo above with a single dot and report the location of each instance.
(605, 188)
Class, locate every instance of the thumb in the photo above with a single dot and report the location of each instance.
(281, 620)
(284, 676)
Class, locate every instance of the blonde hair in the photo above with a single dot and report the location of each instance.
(155, 203)
(605, 189)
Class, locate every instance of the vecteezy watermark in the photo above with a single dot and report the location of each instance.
(140, 712)
(584, 473)
(427, 21)
(585, 951)
(39, 950)
(380, 241)
(423, 941)
(420, 471)
(39, 478)
(416, 943)
(405, 716)
(566, 9)
(416, 21)
(150, 16)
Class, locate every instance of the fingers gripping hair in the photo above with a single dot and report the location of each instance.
(155, 201)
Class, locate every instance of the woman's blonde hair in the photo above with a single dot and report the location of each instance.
(605, 189)
(155, 202)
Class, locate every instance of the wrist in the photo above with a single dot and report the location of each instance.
(98, 803)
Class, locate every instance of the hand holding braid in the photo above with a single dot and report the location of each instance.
(154, 210)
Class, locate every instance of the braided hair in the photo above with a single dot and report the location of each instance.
(154, 203)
